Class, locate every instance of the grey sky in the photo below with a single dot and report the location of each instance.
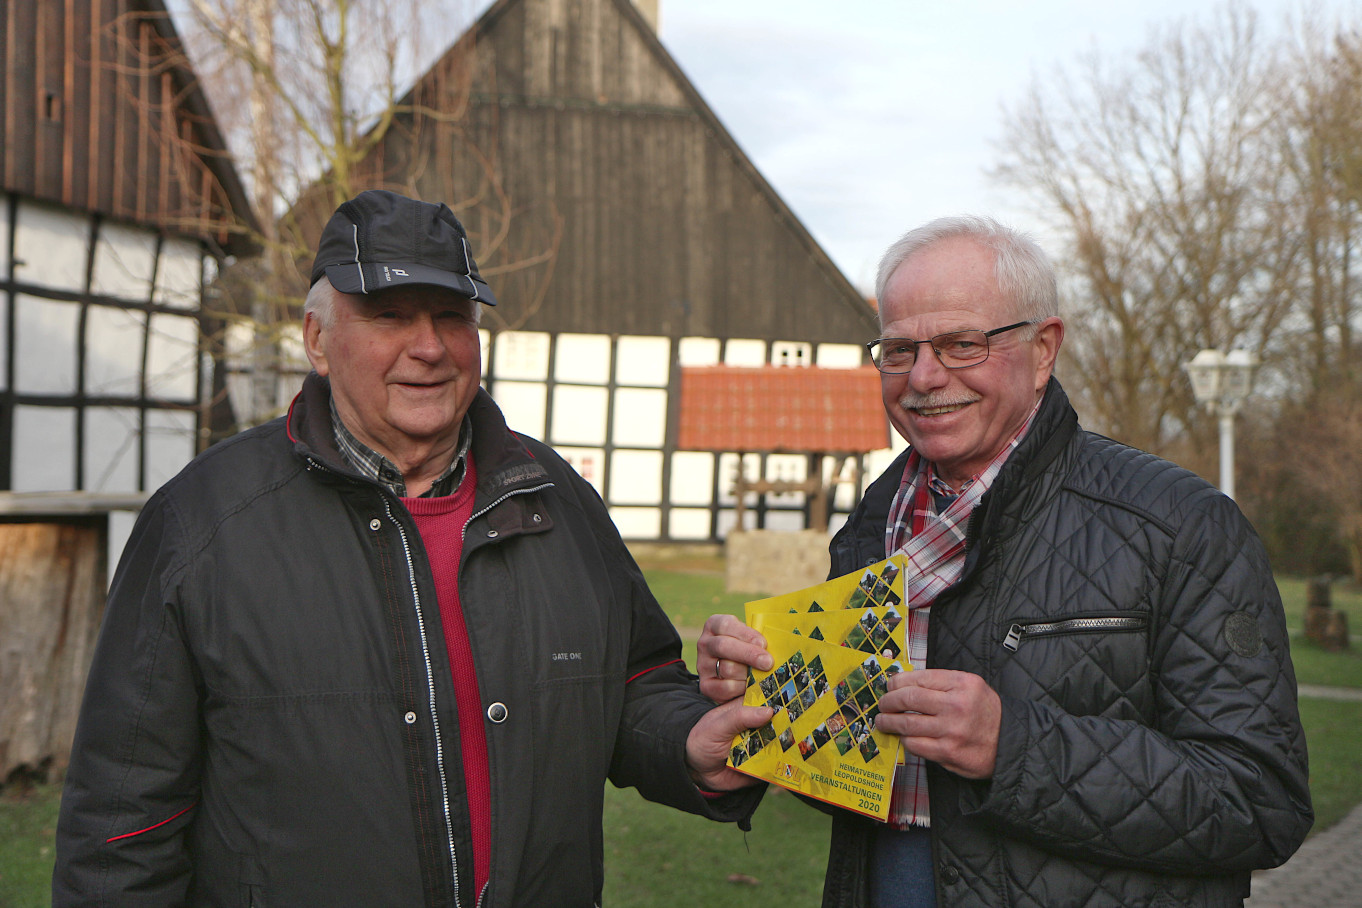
(871, 116)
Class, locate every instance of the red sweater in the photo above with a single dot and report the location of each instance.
(441, 522)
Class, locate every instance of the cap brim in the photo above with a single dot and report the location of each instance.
(373, 277)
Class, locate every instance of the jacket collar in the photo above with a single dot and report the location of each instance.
(504, 463)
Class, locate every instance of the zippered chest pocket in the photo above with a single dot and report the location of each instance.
(1021, 631)
(1087, 664)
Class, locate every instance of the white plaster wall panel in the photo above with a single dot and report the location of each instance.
(739, 352)
(524, 404)
(636, 477)
(637, 523)
(699, 351)
(583, 359)
(44, 454)
(522, 354)
(589, 464)
(111, 453)
(723, 523)
(172, 357)
(124, 262)
(728, 473)
(180, 275)
(688, 523)
(640, 417)
(791, 353)
(578, 415)
(485, 350)
(846, 496)
(170, 444)
(876, 462)
(120, 528)
(836, 522)
(643, 361)
(45, 335)
(50, 249)
(692, 478)
(839, 356)
(787, 468)
(113, 350)
(785, 521)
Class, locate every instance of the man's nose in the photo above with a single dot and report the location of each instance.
(425, 342)
(927, 372)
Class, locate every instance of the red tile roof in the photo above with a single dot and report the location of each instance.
(779, 408)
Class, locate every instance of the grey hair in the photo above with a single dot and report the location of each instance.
(321, 301)
(1021, 268)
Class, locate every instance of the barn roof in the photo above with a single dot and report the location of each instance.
(781, 409)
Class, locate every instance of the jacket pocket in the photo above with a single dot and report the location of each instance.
(1109, 623)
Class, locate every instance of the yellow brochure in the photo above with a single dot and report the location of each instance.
(835, 646)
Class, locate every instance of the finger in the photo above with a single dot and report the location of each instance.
(725, 637)
(732, 626)
(721, 690)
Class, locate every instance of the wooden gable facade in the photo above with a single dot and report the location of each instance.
(628, 237)
(116, 201)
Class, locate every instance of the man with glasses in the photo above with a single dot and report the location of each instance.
(1104, 707)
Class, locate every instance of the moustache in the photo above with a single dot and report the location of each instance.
(912, 400)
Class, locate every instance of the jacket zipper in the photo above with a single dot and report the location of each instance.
(430, 693)
(464, 541)
(1023, 629)
(430, 674)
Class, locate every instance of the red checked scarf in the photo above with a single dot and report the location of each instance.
(934, 545)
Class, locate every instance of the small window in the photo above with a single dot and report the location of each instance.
(791, 353)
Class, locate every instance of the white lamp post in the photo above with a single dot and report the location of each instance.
(1222, 382)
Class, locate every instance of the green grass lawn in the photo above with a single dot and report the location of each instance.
(28, 822)
(656, 857)
(1313, 664)
(654, 854)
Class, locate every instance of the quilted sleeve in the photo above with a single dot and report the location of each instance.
(1214, 780)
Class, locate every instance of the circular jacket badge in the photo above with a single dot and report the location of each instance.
(1243, 635)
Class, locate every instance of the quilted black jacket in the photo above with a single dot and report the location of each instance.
(1150, 750)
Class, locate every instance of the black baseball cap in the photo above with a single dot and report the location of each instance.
(379, 240)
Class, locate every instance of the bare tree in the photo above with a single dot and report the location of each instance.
(1153, 171)
(1321, 126)
(323, 98)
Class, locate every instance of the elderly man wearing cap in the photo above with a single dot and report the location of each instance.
(382, 651)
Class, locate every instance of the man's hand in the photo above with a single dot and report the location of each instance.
(726, 649)
(711, 739)
(948, 717)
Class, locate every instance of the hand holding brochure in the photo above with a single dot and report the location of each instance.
(835, 646)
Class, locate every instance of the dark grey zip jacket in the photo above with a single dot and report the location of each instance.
(1150, 751)
(270, 714)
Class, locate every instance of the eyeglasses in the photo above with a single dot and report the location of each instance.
(955, 349)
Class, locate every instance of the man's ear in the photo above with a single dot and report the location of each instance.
(314, 344)
(1049, 337)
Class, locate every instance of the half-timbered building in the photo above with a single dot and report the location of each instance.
(629, 239)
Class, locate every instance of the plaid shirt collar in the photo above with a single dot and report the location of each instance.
(373, 465)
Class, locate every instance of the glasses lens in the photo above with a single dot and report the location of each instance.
(961, 346)
(894, 354)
